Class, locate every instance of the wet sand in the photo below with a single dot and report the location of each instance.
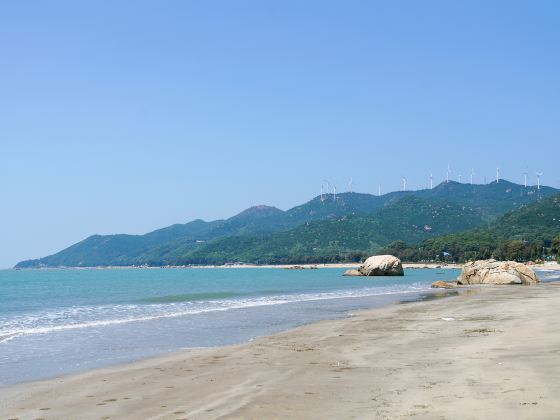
(491, 353)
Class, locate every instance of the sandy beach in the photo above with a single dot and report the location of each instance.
(486, 353)
(239, 266)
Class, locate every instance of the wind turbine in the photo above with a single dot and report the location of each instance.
(525, 178)
(404, 184)
(472, 175)
(497, 175)
(350, 185)
(448, 172)
(334, 192)
(431, 181)
(539, 174)
(379, 190)
(323, 198)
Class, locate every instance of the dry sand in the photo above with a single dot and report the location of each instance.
(239, 266)
(488, 354)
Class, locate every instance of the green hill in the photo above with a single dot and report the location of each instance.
(186, 242)
(523, 234)
(122, 250)
(335, 239)
(490, 200)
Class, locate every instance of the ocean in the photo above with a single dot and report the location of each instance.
(55, 322)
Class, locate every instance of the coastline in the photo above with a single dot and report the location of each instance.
(238, 266)
(547, 266)
(427, 359)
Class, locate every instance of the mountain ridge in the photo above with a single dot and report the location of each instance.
(522, 234)
(489, 201)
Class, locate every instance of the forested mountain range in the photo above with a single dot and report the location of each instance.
(323, 229)
(528, 233)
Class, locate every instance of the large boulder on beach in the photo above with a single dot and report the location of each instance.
(382, 265)
(497, 272)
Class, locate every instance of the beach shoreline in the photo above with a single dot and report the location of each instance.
(239, 266)
(474, 355)
(410, 265)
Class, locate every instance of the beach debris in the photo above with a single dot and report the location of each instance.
(300, 348)
(382, 265)
(301, 267)
(497, 272)
(444, 285)
(481, 331)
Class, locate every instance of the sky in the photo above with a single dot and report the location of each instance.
(127, 116)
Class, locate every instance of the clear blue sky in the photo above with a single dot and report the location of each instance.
(126, 116)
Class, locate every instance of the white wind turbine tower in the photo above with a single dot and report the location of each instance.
(448, 172)
(379, 190)
(525, 178)
(472, 175)
(497, 175)
(350, 185)
(404, 184)
(431, 181)
(334, 192)
(539, 174)
(323, 198)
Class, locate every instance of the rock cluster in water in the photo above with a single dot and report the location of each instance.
(352, 273)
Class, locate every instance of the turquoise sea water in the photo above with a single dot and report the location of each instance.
(54, 322)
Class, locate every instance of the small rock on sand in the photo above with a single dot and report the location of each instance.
(443, 285)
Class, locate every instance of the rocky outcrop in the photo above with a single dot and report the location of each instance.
(352, 273)
(497, 272)
(382, 265)
(443, 285)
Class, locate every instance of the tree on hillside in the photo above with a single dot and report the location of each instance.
(555, 247)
